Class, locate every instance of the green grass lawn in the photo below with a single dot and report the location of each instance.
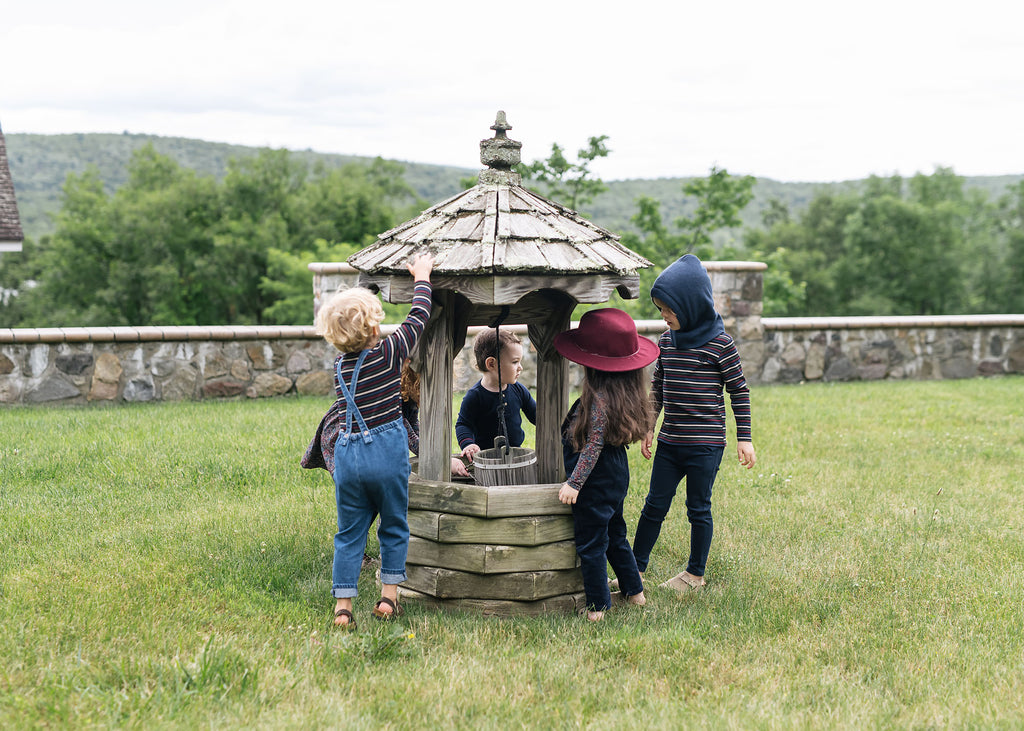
(168, 566)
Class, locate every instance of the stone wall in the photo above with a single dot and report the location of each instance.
(874, 348)
(103, 365)
(117, 365)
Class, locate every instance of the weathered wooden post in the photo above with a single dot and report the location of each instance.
(505, 549)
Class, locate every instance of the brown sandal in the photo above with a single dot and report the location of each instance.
(347, 626)
(378, 613)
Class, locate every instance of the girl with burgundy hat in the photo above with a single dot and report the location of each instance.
(611, 412)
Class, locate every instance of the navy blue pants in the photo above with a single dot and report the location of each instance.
(698, 465)
(599, 527)
(600, 531)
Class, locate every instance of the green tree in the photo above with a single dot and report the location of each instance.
(568, 183)
(917, 246)
(73, 264)
(899, 259)
(1011, 229)
(19, 272)
(720, 198)
(288, 282)
(172, 247)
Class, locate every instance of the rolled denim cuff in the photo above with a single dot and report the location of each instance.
(344, 592)
(392, 577)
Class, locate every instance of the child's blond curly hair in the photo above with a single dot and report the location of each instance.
(349, 319)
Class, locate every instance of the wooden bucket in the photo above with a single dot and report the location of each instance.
(493, 467)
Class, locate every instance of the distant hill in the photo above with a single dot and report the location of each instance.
(41, 163)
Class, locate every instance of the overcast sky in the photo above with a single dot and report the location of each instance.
(790, 90)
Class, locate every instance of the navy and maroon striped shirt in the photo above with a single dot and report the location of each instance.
(378, 391)
(688, 384)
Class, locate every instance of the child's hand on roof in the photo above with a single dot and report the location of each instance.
(420, 267)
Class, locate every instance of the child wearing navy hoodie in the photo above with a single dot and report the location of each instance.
(697, 359)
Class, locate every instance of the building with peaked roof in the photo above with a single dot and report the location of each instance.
(11, 235)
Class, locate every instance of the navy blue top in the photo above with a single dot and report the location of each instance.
(478, 416)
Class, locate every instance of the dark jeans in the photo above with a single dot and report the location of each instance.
(672, 463)
(601, 540)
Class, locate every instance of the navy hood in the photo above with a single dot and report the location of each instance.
(686, 288)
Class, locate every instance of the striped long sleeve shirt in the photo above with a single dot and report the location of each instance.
(378, 392)
(689, 384)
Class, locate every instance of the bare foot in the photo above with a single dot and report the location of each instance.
(618, 599)
(614, 583)
(343, 614)
(595, 616)
(387, 606)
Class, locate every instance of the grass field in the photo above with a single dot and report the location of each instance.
(168, 566)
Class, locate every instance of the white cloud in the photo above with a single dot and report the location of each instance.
(793, 90)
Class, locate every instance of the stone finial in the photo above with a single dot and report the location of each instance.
(500, 126)
(500, 154)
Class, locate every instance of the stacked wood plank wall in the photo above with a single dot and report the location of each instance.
(501, 551)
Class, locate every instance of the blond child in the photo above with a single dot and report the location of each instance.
(362, 441)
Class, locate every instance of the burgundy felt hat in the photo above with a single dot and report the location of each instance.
(606, 340)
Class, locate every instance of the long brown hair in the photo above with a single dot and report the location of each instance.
(629, 409)
(410, 384)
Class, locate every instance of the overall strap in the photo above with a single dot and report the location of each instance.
(350, 402)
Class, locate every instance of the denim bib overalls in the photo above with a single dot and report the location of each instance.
(371, 477)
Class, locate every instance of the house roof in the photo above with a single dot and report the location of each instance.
(500, 227)
(10, 223)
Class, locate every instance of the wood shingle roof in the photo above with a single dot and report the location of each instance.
(501, 229)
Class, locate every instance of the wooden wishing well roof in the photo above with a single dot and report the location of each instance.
(500, 227)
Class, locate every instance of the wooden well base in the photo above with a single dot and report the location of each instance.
(484, 558)
(562, 604)
(518, 586)
(497, 550)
